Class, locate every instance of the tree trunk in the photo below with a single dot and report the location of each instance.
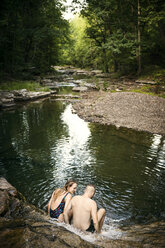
(105, 61)
(116, 67)
(139, 40)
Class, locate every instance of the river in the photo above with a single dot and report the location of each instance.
(42, 144)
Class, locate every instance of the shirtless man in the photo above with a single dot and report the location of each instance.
(85, 214)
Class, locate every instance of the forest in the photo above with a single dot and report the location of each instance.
(111, 35)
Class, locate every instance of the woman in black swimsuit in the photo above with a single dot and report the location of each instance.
(60, 200)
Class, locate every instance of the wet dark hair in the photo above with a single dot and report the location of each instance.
(69, 183)
(60, 191)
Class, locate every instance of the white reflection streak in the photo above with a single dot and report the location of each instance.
(154, 146)
(78, 129)
(72, 152)
(158, 152)
(21, 137)
(156, 141)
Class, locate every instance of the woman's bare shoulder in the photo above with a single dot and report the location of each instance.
(69, 196)
(56, 191)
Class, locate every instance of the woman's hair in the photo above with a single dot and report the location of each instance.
(69, 183)
(60, 191)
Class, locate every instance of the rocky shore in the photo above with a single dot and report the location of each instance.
(9, 99)
(123, 109)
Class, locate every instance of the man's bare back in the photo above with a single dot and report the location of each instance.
(84, 210)
(85, 206)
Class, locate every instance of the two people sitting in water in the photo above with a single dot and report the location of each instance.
(81, 208)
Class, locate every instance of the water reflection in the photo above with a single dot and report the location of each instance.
(71, 153)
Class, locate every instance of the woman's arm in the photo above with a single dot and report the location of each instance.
(67, 207)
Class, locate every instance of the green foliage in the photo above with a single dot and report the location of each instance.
(31, 34)
(118, 29)
(79, 49)
(18, 85)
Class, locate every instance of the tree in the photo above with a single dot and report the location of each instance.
(129, 34)
(31, 34)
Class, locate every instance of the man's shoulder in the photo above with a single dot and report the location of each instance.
(92, 202)
(81, 198)
(76, 197)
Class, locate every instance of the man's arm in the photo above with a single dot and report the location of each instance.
(66, 211)
(95, 217)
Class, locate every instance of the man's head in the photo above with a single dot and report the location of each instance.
(90, 190)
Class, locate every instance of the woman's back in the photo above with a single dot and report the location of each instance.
(55, 202)
(60, 200)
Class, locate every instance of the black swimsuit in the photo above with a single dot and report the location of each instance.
(59, 210)
(91, 228)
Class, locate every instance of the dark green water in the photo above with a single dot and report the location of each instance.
(44, 144)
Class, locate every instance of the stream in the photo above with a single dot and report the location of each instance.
(44, 143)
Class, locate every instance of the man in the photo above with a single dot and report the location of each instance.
(85, 214)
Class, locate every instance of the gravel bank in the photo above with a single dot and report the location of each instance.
(124, 109)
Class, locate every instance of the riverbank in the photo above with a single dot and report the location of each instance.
(105, 100)
(123, 109)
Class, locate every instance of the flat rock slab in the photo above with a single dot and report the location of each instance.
(145, 82)
(80, 89)
(29, 95)
(124, 109)
(67, 96)
(8, 99)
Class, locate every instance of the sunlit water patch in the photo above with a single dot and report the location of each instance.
(71, 154)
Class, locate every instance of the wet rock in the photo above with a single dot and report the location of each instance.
(21, 92)
(50, 84)
(24, 95)
(53, 92)
(95, 72)
(4, 202)
(91, 86)
(80, 89)
(46, 81)
(145, 82)
(6, 99)
(69, 96)
(5, 185)
(6, 94)
(103, 75)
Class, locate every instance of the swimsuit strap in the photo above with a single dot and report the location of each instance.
(65, 196)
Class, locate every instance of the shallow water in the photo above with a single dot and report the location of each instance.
(43, 144)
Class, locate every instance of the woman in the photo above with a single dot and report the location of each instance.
(60, 200)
